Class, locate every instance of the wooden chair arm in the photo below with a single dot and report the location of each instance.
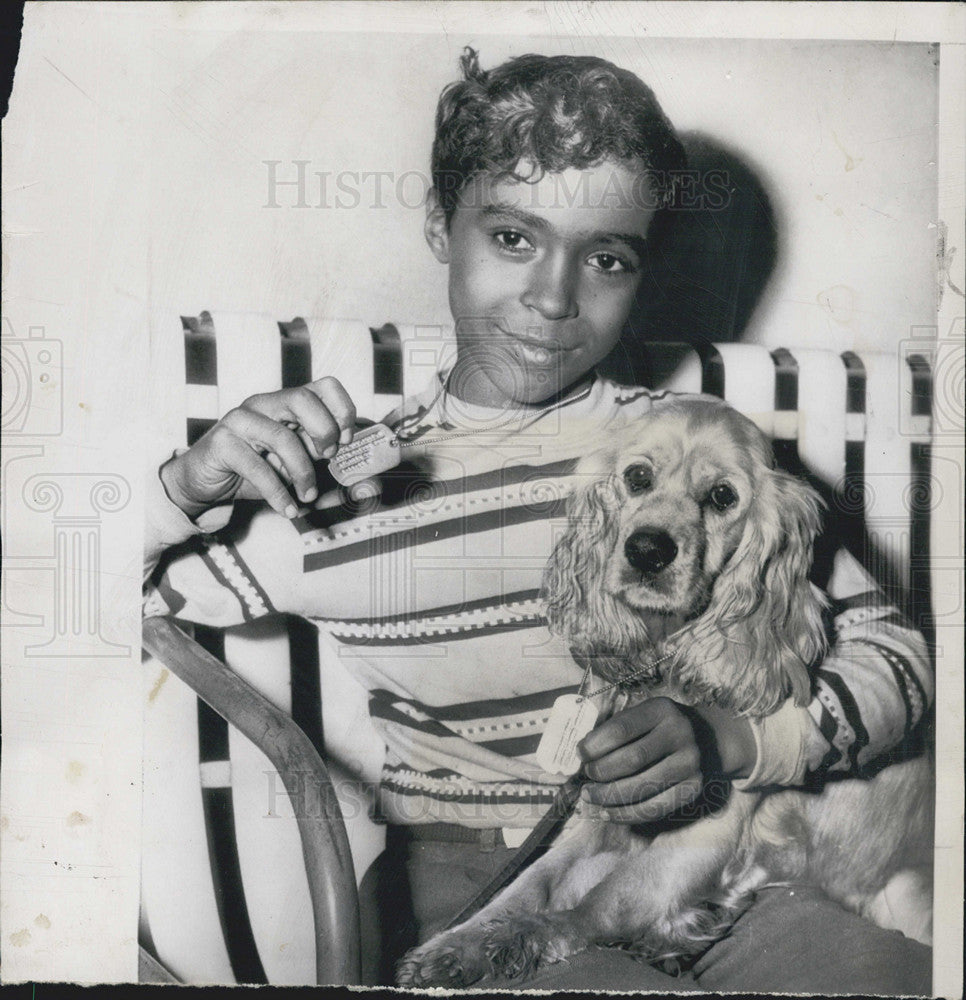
(325, 846)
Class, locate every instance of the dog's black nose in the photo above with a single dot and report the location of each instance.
(650, 550)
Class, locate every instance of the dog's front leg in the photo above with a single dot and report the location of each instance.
(519, 931)
(673, 895)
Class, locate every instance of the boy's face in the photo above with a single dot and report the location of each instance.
(542, 277)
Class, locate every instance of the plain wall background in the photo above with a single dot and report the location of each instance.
(843, 137)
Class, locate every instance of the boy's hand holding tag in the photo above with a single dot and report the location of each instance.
(264, 449)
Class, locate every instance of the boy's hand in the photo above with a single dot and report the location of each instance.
(648, 761)
(255, 450)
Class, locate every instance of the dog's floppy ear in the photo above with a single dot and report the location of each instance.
(573, 576)
(757, 640)
(577, 606)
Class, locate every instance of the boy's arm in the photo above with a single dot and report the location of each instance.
(265, 448)
(213, 580)
(167, 525)
(869, 693)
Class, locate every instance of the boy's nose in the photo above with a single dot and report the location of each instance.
(551, 290)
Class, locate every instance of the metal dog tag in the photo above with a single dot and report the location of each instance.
(571, 719)
(371, 451)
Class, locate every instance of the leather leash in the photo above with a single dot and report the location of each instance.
(558, 813)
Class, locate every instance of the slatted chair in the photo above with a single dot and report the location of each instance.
(226, 896)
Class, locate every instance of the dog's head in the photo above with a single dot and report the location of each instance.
(682, 533)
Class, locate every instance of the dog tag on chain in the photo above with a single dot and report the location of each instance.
(372, 450)
(571, 719)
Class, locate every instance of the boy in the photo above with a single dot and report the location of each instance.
(550, 175)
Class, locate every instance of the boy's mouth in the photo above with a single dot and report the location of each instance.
(536, 343)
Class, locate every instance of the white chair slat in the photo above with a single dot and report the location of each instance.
(269, 856)
(215, 773)
(888, 459)
(175, 867)
(750, 382)
(249, 360)
(687, 377)
(169, 405)
(279, 907)
(203, 402)
(343, 349)
(674, 367)
(821, 416)
(357, 801)
(259, 654)
(854, 426)
(919, 428)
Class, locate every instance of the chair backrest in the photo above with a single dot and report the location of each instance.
(858, 424)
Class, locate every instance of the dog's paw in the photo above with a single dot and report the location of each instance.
(440, 962)
(516, 947)
(507, 947)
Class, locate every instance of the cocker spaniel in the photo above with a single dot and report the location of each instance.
(683, 539)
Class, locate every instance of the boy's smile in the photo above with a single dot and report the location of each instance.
(542, 276)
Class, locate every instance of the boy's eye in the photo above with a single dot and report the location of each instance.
(512, 240)
(610, 263)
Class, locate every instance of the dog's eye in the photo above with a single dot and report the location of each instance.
(638, 478)
(723, 496)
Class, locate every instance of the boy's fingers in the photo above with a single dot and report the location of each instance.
(307, 440)
(668, 773)
(261, 478)
(331, 498)
(631, 758)
(339, 403)
(264, 434)
(656, 808)
(631, 724)
(323, 408)
(315, 418)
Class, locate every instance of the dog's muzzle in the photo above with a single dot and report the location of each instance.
(650, 550)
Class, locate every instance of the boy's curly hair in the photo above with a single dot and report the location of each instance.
(555, 112)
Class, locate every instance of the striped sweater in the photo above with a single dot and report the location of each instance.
(431, 595)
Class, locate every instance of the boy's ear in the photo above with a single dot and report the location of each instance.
(437, 235)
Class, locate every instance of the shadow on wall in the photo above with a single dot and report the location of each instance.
(709, 267)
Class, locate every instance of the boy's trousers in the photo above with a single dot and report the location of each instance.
(793, 939)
